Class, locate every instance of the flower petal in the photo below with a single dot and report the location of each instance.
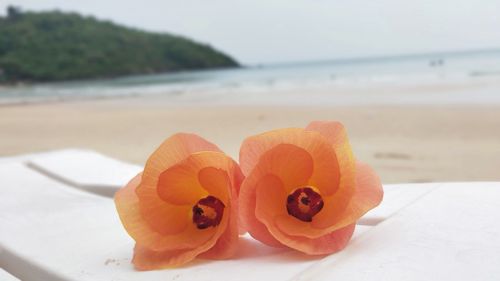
(336, 202)
(369, 191)
(176, 233)
(271, 202)
(172, 151)
(199, 175)
(167, 216)
(216, 182)
(253, 147)
(271, 199)
(334, 131)
(147, 259)
(367, 195)
(292, 226)
(179, 185)
(227, 244)
(291, 164)
(336, 134)
(156, 207)
(256, 228)
(325, 175)
(326, 244)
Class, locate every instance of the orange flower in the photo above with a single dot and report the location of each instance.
(183, 205)
(304, 189)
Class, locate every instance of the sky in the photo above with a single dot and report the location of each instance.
(279, 31)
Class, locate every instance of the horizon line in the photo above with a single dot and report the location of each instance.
(360, 59)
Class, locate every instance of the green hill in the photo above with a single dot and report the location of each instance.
(51, 46)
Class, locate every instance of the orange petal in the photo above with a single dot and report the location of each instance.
(334, 131)
(247, 201)
(162, 217)
(197, 176)
(292, 226)
(171, 152)
(167, 215)
(270, 204)
(178, 233)
(237, 178)
(369, 191)
(291, 164)
(253, 147)
(218, 174)
(270, 199)
(146, 259)
(179, 185)
(325, 175)
(336, 134)
(367, 195)
(326, 244)
(227, 243)
(295, 142)
(216, 182)
(185, 167)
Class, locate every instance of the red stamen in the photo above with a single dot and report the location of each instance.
(304, 203)
(208, 212)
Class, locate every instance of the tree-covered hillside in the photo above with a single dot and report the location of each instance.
(50, 46)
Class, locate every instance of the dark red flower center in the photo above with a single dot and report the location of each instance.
(208, 212)
(304, 203)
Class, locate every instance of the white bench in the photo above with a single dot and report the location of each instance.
(58, 222)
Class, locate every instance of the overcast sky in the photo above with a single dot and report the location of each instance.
(270, 31)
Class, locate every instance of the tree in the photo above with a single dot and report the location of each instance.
(13, 12)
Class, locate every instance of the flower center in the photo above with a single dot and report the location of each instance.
(208, 212)
(303, 203)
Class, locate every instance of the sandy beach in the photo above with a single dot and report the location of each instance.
(403, 143)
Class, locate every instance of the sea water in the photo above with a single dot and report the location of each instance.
(347, 81)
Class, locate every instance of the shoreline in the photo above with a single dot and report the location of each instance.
(449, 89)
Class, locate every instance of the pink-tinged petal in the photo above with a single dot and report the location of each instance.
(167, 215)
(227, 244)
(326, 244)
(367, 195)
(325, 174)
(156, 208)
(336, 202)
(253, 147)
(334, 131)
(175, 233)
(292, 165)
(147, 259)
(247, 201)
(271, 198)
(216, 182)
(295, 227)
(172, 151)
(179, 185)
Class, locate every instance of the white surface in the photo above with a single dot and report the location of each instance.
(53, 231)
(86, 169)
(452, 233)
(448, 231)
(396, 197)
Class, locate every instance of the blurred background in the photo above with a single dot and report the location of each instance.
(416, 83)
